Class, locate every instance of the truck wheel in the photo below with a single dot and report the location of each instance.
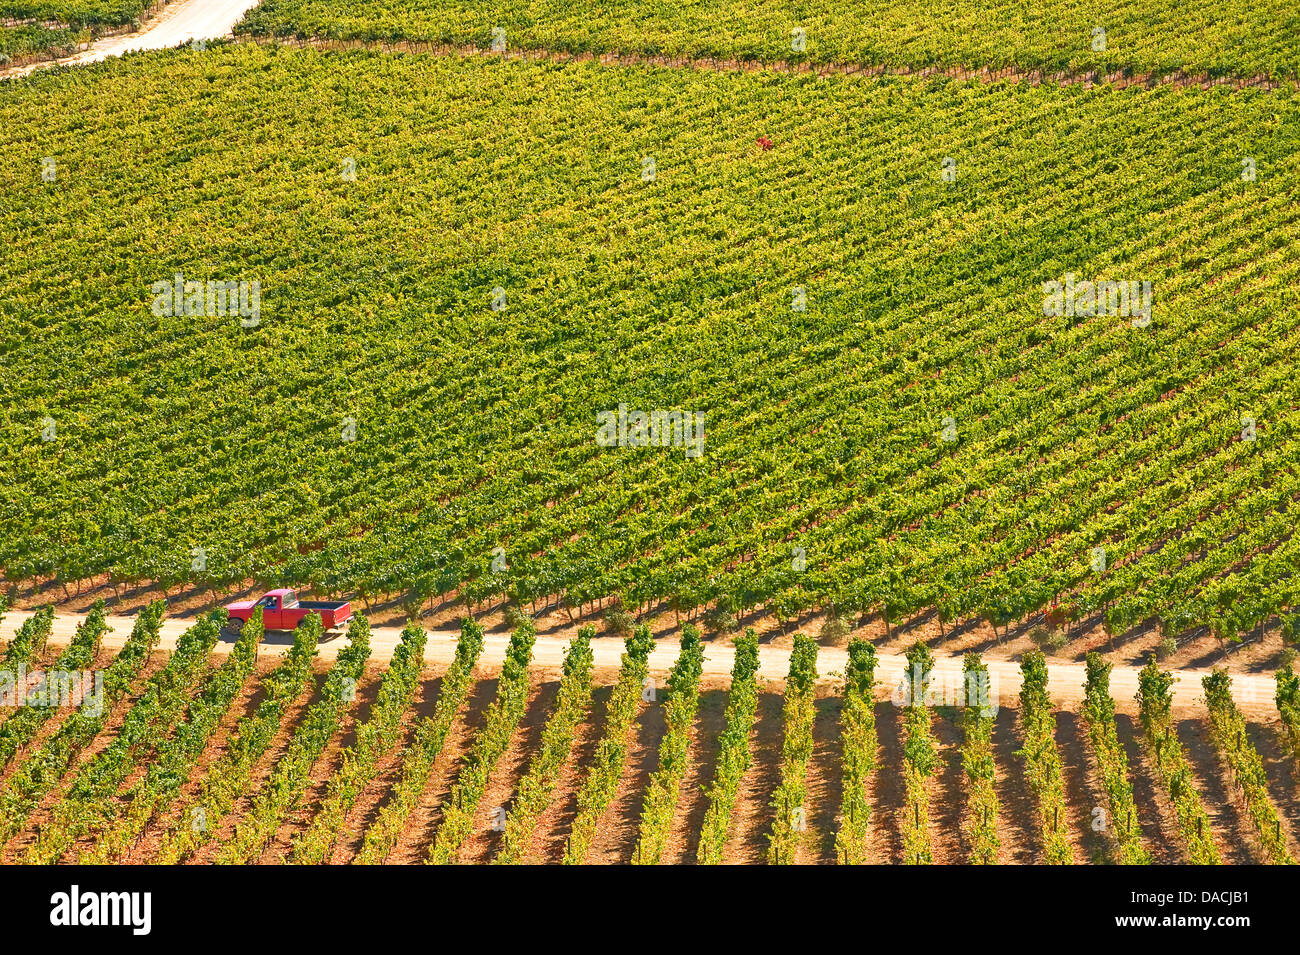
(234, 625)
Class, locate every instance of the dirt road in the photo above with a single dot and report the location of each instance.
(182, 21)
(1253, 691)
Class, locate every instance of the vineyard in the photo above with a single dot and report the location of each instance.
(241, 757)
(1231, 37)
(742, 432)
(893, 426)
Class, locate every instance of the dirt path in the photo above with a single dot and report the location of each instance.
(1017, 812)
(885, 841)
(1233, 834)
(751, 819)
(824, 784)
(619, 830)
(181, 22)
(1083, 793)
(1252, 691)
(948, 795)
(1157, 818)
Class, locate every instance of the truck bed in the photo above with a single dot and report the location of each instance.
(319, 605)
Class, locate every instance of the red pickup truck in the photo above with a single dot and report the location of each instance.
(282, 610)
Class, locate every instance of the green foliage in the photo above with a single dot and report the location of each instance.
(606, 769)
(377, 737)
(920, 759)
(674, 749)
(981, 822)
(41, 771)
(90, 800)
(1048, 35)
(858, 722)
(310, 737)
(419, 758)
(1228, 732)
(490, 744)
(734, 755)
(1288, 707)
(1155, 701)
(1043, 759)
(1136, 430)
(790, 821)
(231, 776)
(34, 42)
(23, 724)
(537, 787)
(29, 642)
(1112, 762)
(177, 756)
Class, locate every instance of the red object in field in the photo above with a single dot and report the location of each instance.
(764, 142)
(282, 610)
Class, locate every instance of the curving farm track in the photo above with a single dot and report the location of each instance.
(181, 22)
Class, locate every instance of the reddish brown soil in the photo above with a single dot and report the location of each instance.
(1017, 813)
(751, 819)
(375, 796)
(1156, 816)
(552, 832)
(619, 830)
(324, 768)
(1084, 795)
(948, 795)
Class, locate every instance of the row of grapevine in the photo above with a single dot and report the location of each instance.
(660, 801)
(1051, 35)
(920, 759)
(858, 722)
(42, 770)
(149, 722)
(1155, 701)
(489, 746)
(799, 710)
(537, 788)
(24, 649)
(198, 819)
(734, 752)
(312, 734)
(1112, 762)
(375, 739)
(1043, 759)
(1288, 707)
(420, 756)
(1136, 433)
(22, 725)
(177, 756)
(606, 769)
(977, 761)
(29, 641)
(1228, 731)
